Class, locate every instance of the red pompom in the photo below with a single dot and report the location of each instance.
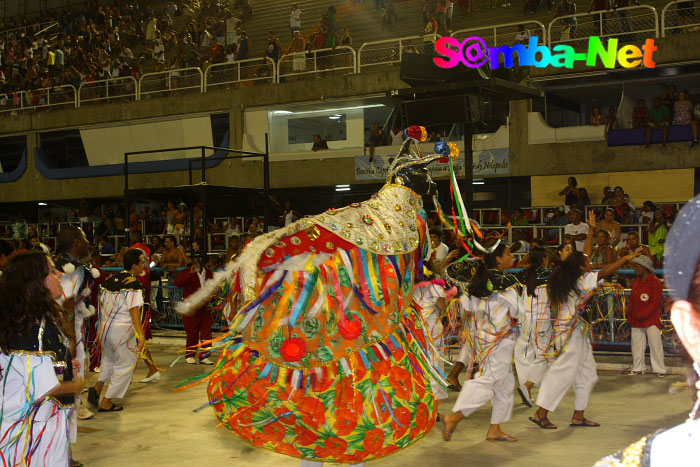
(417, 132)
(444, 160)
(350, 329)
(293, 349)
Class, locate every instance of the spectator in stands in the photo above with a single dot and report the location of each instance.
(522, 36)
(105, 247)
(583, 199)
(611, 226)
(623, 198)
(658, 229)
(640, 115)
(682, 109)
(396, 135)
(7, 249)
(173, 257)
(631, 244)
(628, 217)
(376, 138)
(624, 15)
(518, 218)
(389, 15)
(244, 46)
(568, 8)
(19, 228)
(599, 22)
(273, 46)
(602, 254)
(441, 16)
(643, 314)
(555, 218)
(648, 212)
(290, 215)
(295, 19)
(520, 243)
(597, 117)
(610, 119)
(319, 144)
(441, 255)
(668, 97)
(36, 244)
(296, 47)
(430, 34)
(576, 231)
(659, 118)
(156, 246)
(570, 192)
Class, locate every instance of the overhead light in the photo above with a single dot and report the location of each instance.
(477, 183)
(326, 111)
(43, 204)
(343, 189)
(282, 112)
(333, 117)
(342, 186)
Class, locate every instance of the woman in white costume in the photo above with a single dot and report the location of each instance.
(38, 391)
(569, 287)
(536, 328)
(492, 299)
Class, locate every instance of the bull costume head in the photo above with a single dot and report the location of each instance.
(410, 169)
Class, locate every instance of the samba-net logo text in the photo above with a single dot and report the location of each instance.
(474, 53)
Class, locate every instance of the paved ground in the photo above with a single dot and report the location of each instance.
(159, 428)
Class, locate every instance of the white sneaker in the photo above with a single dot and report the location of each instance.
(84, 413)
(190, 360)
(155, 377)
(206, 361)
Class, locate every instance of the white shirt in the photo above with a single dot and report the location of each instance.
(159, 50)
(426, 297)
(202, 277)
(295, 19)
(563, 314)
(441, 251)
(288, 218)
(492, 315)
(23, 387)
(574, 230)
(115, 306)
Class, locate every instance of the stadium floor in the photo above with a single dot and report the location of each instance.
(159, 428)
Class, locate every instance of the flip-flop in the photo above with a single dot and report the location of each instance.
(446, 435)
(93, 397)
(524, 396)
(585, 423)
(544, 423)
(454, 387)
(506, 438)
(114, 408)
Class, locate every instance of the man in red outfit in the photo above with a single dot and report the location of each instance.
(644, 317)
(197, 325)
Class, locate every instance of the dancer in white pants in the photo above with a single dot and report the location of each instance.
(536, 328)
(569, 287)
(493, 301)
(644, 317)
(120, 331)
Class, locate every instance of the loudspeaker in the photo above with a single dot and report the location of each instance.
(419, 70)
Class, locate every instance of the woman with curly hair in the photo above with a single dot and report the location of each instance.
(569, 287)
(493, 301)
(37, 378)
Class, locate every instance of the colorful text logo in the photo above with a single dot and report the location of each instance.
(474, 53)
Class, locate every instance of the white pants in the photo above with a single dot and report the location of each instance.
(299, 62)
(530, 363)
(436, 331)
(574, 365)
(495, 384)
(118, 361)
(656, 349)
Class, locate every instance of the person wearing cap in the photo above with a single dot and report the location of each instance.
(644, 317)
(198, 324)
(677, 446)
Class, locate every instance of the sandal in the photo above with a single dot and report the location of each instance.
(507, 438)
(544, 423)
(585, 423)
(114, 408)
(446, 435)
(454, 387)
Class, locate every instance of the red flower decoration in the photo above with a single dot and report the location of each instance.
(293, 349)
(350, 329)
(417, 132)
(444, 160)
(374, 440)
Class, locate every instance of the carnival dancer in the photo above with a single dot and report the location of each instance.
(569, 287)
(430, 298)
(492, 299)
(37, 380)
(197, 325)
(120, 332)
(536, 328)
(327, 359)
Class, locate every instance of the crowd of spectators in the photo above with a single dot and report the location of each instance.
(670, 108)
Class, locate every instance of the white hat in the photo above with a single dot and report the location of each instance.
(644, 261)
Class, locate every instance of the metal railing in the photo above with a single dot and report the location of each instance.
(386, 54)
(252, 71)
(628, 24)
(333, 61)
(177, 82)
(33, 30)
(506, 33)
(64, 95)
(123, 88)
(680, 17)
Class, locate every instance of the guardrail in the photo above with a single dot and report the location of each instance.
(33, 29)
(679, 17)
(628, 24)
(386, 54)
(180, 81)
(338, 60)
(252, 71)
(505, 34)
(109, 90)
(56, 96)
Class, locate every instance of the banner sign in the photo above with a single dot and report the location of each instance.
(488, 162)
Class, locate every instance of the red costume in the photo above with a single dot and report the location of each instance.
(197, 325)
(645, 305)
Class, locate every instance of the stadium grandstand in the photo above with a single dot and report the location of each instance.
(195, 127)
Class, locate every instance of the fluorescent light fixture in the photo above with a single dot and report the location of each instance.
(43, 204)
(333, 117)
(325, 111)
(343, 189)
(342, 186)
(477, 183)
(282, 112)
